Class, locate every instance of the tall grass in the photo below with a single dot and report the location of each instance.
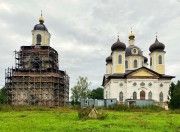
(131, 108)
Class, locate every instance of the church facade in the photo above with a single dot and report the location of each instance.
(128, 77)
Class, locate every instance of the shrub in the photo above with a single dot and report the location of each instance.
(124, 107)
(119, 107)
(84, 114)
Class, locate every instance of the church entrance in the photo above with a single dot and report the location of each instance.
(142, 95)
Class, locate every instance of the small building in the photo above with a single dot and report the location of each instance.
(139, 102)
(98, 102)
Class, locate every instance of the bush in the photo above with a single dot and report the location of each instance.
(84, 114)
(123, 107)
(3, 96)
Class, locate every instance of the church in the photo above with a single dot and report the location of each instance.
(128, 76)
(36, 78)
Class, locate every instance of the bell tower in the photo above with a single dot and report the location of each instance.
(157, 57)
(118, 57)
(40, 34)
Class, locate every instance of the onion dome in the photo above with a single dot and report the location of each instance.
(109, 59)
(130, 53)
(118, 46)
(157, 46)
(40, 26)
(145, 59)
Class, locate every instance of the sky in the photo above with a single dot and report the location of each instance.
(83, 31)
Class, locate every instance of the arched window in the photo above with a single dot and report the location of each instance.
(134, 95)
(121, 96)
(39, 38)
(160, 59)
(120, 59)
(150, 95)
(161, 97)
(135, 63)
(151, 61)
(126, 64)
(142, 95)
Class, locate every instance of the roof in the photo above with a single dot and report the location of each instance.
(157, 46)
(129, 52)
(125, 75)
(40, 26)
(118, 46)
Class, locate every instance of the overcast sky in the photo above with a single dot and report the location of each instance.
(82, 31)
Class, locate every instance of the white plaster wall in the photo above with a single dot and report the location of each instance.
(113, 88)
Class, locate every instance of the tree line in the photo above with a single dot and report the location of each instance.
(174, 95)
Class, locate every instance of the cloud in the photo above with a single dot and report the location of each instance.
(83, 31)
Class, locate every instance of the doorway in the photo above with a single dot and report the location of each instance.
(142, 95)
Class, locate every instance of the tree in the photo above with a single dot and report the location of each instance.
(97, 93)
(80, 90)
(3, 96)
(174, 95)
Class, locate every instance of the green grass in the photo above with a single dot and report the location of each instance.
(20, 119)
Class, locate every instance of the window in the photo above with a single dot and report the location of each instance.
(39, 39)
(126, 64)
(142, 84)
(134, 95)
(121, 84)
(150, 84)
(142, 63)
(161, 85)
(161, 97)
(160, 59)
(121, 96)
(142, 95)
(150, 95)
(134, 84)
(151, 61)
(120, 59)
(135, 63)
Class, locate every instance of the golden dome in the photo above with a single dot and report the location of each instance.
(131, 35)
(41, 19)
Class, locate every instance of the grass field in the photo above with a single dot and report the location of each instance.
(66, 120)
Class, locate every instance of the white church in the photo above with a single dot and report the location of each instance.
(128, 77)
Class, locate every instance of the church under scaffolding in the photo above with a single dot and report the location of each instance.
(36, 78)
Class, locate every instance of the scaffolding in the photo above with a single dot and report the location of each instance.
(36, 78)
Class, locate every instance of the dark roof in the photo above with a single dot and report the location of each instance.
(109, 59)
(118, 46)
(129, 53)
(124, 76)
(157, 46)
(40, 26)
(145, 59)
